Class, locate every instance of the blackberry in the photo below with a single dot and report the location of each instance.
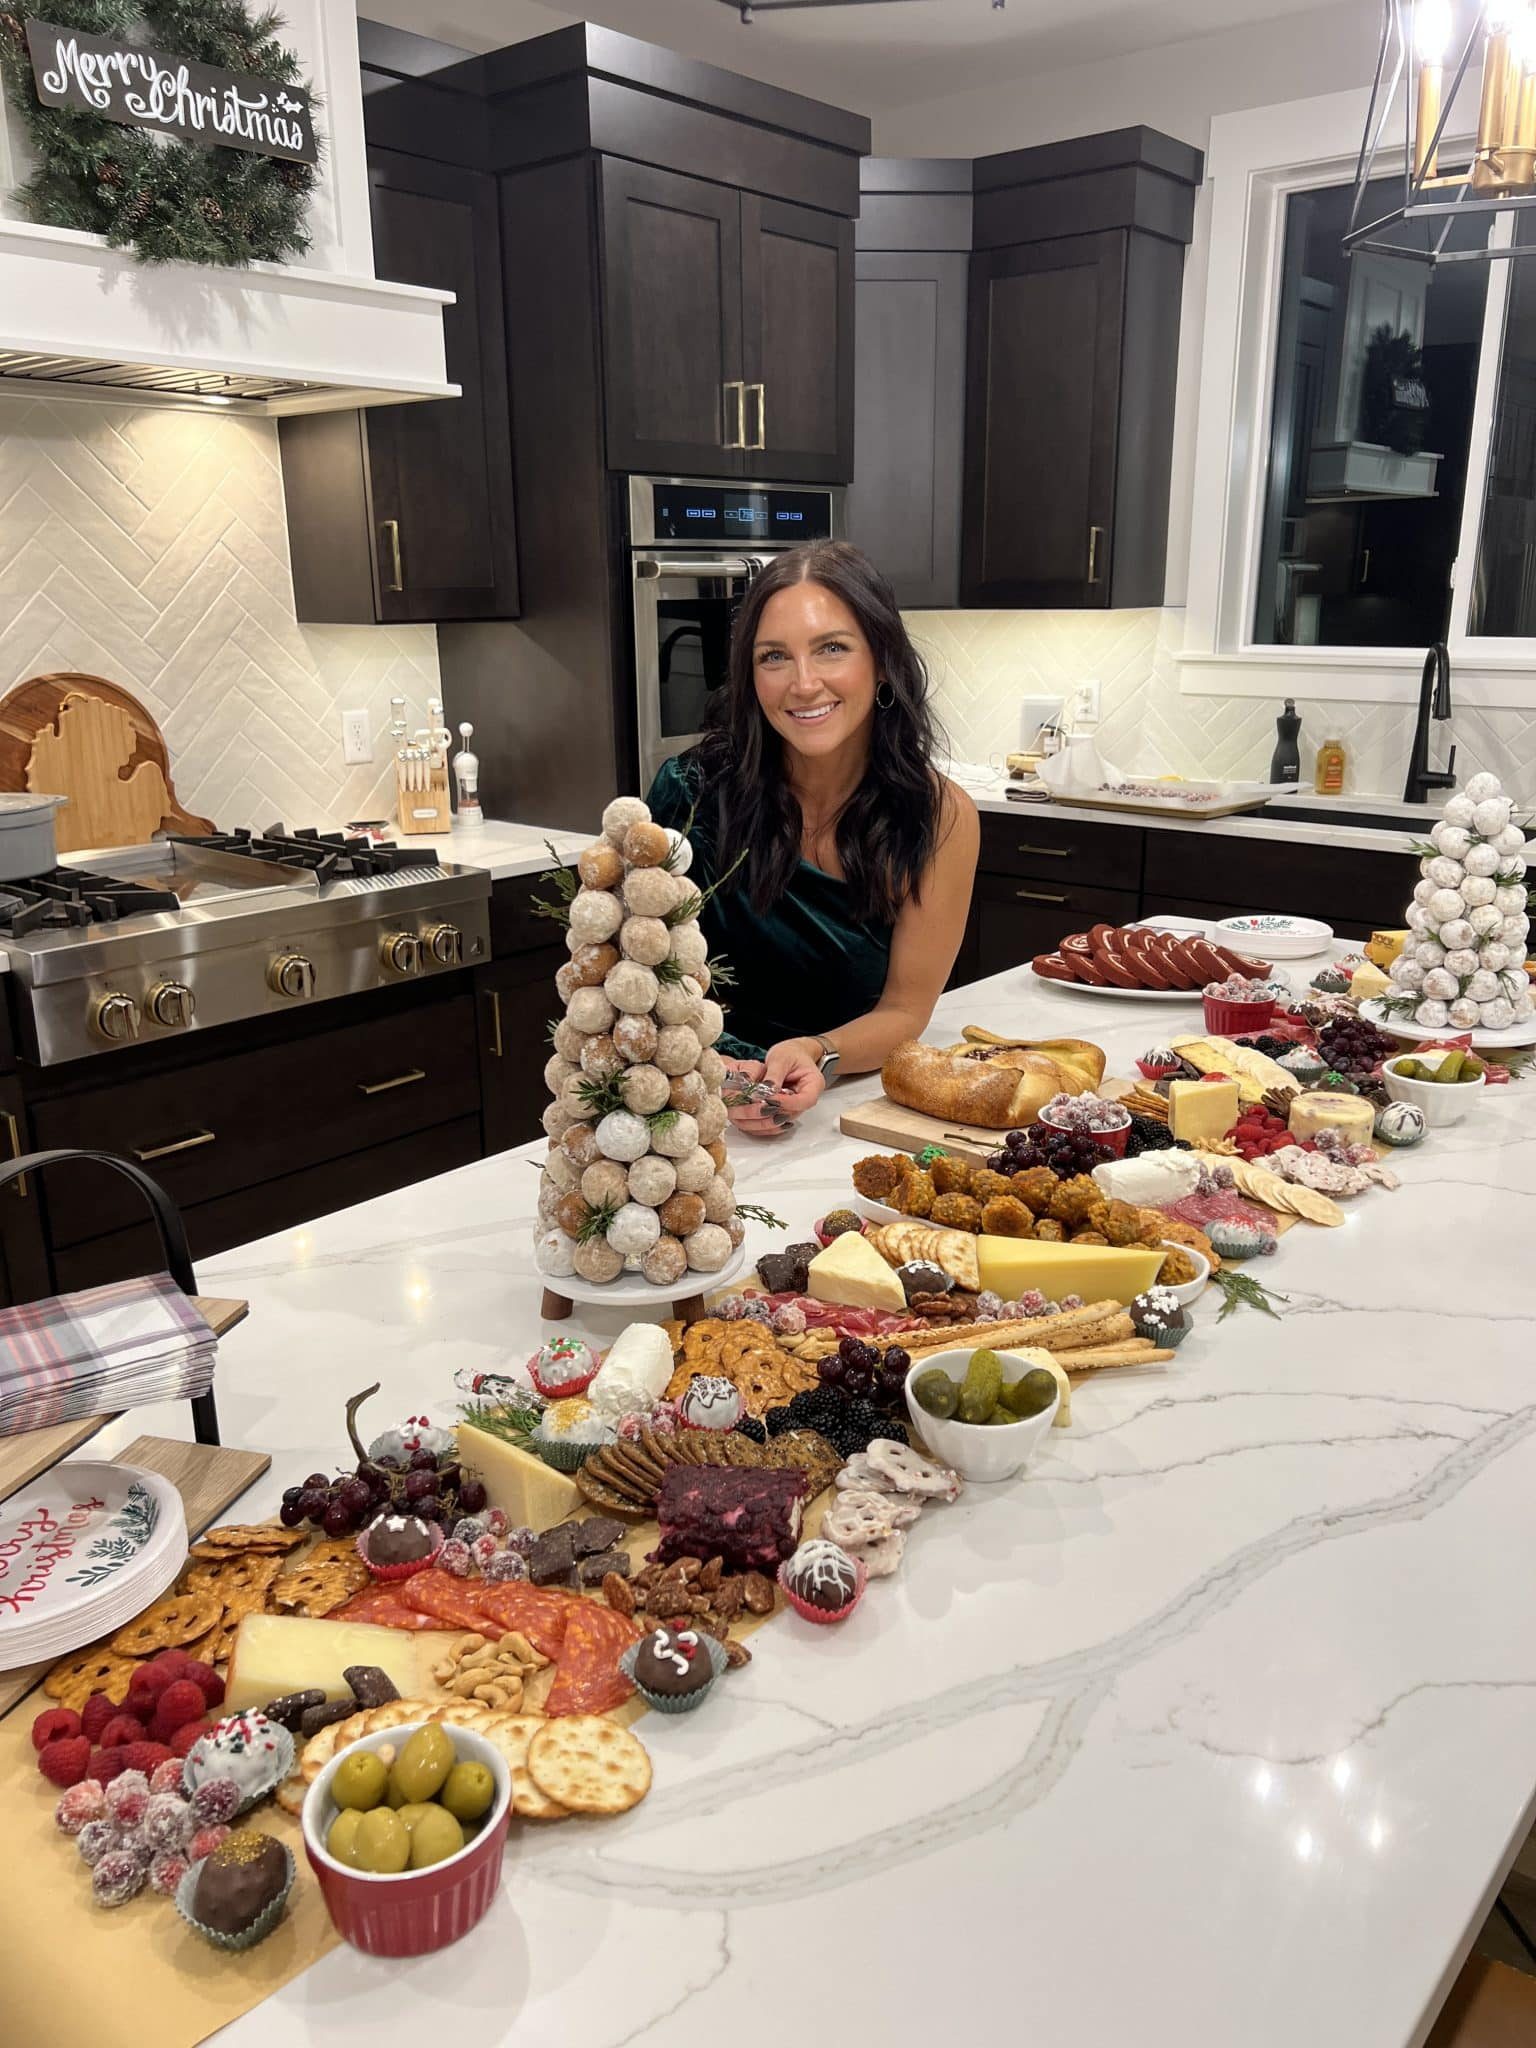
(866, 1415)
(749, 1426)
(805, 1407)
(777, 1420)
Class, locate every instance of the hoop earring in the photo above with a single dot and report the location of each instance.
(885, 697)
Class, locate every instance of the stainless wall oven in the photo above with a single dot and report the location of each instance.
(694, 548)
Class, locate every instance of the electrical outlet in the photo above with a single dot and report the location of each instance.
(356, 739)
(1085, 703)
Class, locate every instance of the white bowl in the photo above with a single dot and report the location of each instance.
(1443, 1102)
(1263, 936)
(1188, 1291)
(976, 1450)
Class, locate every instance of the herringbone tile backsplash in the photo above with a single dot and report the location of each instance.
(150, 547)
(983, 663)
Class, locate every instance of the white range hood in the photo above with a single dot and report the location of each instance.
(79, 319)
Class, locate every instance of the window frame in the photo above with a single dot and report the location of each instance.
(1257, 159)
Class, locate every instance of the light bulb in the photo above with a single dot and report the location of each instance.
(1432, 30)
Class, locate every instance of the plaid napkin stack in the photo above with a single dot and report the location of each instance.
(103, 1349)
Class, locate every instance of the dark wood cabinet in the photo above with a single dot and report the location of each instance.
(728, 330)
(1017, 919)
(24, 1274)
(404, 512)
(515, 998)
(1072, 354)
(1354, 891)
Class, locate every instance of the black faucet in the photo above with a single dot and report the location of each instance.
(1434, 702)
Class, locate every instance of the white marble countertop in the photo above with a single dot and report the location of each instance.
(1216, 1728)
(502, 848)
(1272, 822)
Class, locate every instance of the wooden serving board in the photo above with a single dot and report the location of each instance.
(879, 1121)
(207, 1476)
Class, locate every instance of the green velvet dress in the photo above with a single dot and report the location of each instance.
(805, 966)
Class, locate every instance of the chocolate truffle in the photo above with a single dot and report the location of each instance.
(672, 1662)
(822, 1575)
(238, 1881)
(400, 1539)
(921, 1276)
(787, 1272)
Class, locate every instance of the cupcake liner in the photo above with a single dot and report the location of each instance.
(204, 1762)
(673, 1702)
(564, 1456)
(390, 1574)
(823, 1615)
(247, 1937)
(561, 1390)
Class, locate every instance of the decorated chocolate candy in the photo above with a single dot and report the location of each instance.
(673, 1662)
(711, 1402)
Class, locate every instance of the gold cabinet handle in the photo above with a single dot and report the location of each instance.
(762, 417)
(1095, 536)
(1038, 896)
(13, 1131)
(1048, 852)
(399, 1081)
(390, 528)
(177, 1145)
(497, 1049)
(735, 384)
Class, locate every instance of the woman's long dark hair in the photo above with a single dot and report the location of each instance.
(888, 830)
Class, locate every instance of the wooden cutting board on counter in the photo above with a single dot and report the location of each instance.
(882, 1122)
(84, 738)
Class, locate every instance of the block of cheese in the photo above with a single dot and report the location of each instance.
(1384, 947)
(851, 1272)
(531, 1494)
(1011, 1266)
(1201, 1109)
(1321, 1111)
(1368, 981)
(1028, 1355)
(281, 1653)
(1255, 1072)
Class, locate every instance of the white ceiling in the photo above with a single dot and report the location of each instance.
(867, 57)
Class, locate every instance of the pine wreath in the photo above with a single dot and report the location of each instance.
(169, 201)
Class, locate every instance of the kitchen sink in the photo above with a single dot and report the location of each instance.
(1383, 818)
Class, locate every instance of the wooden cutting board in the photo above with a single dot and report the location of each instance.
(882, 1122)
(82, 737)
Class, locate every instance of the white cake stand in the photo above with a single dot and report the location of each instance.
(633, 1290)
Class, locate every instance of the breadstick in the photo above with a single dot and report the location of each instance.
(1136, 1352)
(1036, 1330)
(1116, 1329)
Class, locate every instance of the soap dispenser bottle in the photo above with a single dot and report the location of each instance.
(1285, 762)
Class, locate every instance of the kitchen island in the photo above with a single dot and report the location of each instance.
(1214, 1728)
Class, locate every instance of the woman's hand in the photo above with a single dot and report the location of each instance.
(792, 1069)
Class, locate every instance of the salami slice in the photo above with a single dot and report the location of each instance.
(380, 1606)
(539, 1615)
(587, 1678)
(455, 1603)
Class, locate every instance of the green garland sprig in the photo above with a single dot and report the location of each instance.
(168, 201)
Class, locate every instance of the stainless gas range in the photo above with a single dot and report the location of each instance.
(146, 943)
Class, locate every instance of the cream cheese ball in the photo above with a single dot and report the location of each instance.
(601, 1058)
(652, 892)
(679, 1001)
(665, 1263)
(712, 1118)
(645, 1090)
(709, 1023)
(634, 1230)
(590, 1011)
(623, 1136)
(652, 1180)
(687, 1091)
(677, 1049)
(690, 948)
(555, 1255)
(597, 1261)
(632, 988)
(695, 1173)
(623, 812)
(601, 865)
(719, 1201)
(708, 1248)
(645, 939)
(604, 1183)
(678, 1139)
(635, 1038)
(594, 915)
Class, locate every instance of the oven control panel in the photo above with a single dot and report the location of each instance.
(678, 511)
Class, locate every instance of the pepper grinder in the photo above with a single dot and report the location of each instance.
(466, 776)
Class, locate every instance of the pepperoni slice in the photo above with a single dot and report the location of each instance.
(588, 1679)
(454, 1603)
(382, 1609)
(533, 1611)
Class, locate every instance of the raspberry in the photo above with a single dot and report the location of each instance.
(51, 1723)
(166, 1776)
(146, 1757)
(173, 1661)
(63, 1763)
(95, 1839)
(118, 1876)
(194, 1731)
(204, 1842)
(215, 1800)
(166, 1872)
(181, 1702)
(167, 1821)
(106, 1763)
(208, 1683)
(128, 1797)
(96, 1713)
(145, 1687)
(81, 1803)
(121, 1728)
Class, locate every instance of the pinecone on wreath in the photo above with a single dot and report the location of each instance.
(110, 175)
(211, 211)
(296, 177)
(137, 210)
(14, 30)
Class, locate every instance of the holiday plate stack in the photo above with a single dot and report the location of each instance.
(1463, 967)
(636, 1201)
(83, 1549)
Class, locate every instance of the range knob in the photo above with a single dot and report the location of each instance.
(115, 1017)
(291, 975)
(445, 942)
(171, 1003)
(401, 952)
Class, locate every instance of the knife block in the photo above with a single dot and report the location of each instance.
(424, 810)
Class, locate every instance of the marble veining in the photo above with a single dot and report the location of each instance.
(1214, 1728)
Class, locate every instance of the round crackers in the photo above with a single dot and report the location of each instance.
(589, 1765)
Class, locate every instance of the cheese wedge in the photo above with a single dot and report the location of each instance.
(1321, 1111)
(276, 1654)
(1255, 1072)
(1201, 1109)
(1011, 1266)
(851, 1272)
(1368, 981)
(1030, 1354)
(531, 1494)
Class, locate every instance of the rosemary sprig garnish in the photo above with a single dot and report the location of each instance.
(669, 972)
(1242, 1287)
(721, 973)
(504, 1420)
(597, 1222)
(1425, 848)
(660, 1120)
(753, 1212)
(601, 1097)
(565, 882)
(693, 906)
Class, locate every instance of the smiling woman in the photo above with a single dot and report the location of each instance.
(848, 859)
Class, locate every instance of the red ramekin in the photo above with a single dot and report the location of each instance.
(1230, 1018)
(1114, 1142)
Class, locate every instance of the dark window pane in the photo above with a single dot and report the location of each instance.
(1376, 367)
(1504, 595)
